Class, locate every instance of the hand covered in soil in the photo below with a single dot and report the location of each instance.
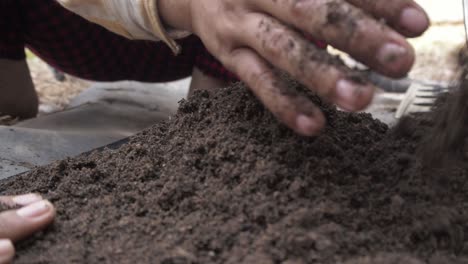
(252, 37)
(33, 214)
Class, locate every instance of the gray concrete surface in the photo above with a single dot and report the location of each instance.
(105, 113)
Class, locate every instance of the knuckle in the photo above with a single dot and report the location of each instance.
(275, 39)
(220, 45)
(324, 91)
(311, 10)
(7, 201)
(221, 37)
(304, 7)
(323, 78)
(260, 79)
(297, 7)
(371, 5)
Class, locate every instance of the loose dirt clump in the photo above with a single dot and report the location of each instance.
(224, 182)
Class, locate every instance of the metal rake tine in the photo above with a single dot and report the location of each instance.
(433, 90)
(419, 97)
(425, 98)
(407, 101)
(429, 96)
(427, 102)
(424, 104)
(420, 109)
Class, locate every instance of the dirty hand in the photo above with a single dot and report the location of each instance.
(34, 214)
(250, 37)
(253, 37)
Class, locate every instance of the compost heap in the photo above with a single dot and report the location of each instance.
(225, 182)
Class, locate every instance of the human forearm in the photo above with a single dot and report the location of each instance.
(176, 14)
(18, 98)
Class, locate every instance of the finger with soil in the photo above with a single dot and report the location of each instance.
(405, 16)
(7, 251)
(18, 224)
(349, 29)
(295, 110)
(315, 68)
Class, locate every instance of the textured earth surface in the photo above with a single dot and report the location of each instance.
(224, 182)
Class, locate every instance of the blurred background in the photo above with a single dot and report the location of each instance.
(438, 48)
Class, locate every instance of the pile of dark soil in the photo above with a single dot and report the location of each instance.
(224, 182)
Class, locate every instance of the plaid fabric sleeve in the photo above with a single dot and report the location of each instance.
(11, 38)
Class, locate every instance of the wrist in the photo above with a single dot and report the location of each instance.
(176, 14)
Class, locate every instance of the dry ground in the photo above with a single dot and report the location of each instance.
(437, 51)
(437, 48)
(53, 95)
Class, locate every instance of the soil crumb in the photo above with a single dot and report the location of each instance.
(224, 182)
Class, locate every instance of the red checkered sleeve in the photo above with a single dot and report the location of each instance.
(11, 37)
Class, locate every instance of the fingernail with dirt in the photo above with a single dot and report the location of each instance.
(392, 56)
(26, 199)
(347, 93)
(306, 125)
(35, 210)
(414, 20)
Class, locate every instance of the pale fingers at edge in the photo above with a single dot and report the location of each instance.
(349, 29)
(405, 16)
(313, 67)
(294, 110)
(7, 251)
(18, 224)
